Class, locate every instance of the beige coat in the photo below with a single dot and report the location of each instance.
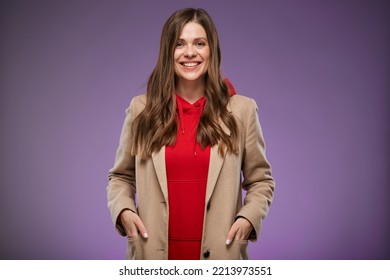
(228, 175)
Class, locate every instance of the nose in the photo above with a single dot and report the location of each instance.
(190, 52)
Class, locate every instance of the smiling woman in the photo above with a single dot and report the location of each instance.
(183, 148)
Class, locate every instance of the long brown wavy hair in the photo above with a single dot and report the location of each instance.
(156, 125)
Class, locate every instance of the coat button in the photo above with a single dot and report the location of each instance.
(206, 254)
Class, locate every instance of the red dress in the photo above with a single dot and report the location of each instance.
(187, 169)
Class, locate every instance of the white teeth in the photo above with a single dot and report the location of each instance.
(190, 64)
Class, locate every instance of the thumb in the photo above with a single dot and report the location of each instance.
(141, 227)
(231, 234)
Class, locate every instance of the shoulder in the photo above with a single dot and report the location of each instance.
(242, 105)
(137, 104)
(138, 101)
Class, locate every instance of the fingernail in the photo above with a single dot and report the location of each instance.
(145, 235)
(228, 241)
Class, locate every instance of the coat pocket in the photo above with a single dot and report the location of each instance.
(134, 248)
(242, 247)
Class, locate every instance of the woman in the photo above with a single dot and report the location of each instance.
(183, 148)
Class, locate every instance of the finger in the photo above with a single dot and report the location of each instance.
(130, 229)
(141, 227)
(241, 234)
(126, 226)
(133, 231)
(128, 218)
(231, 234)
(244, 229)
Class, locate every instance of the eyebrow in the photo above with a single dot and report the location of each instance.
(197, 38)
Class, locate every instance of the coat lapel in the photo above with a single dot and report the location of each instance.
(216, 161)
(161, 171)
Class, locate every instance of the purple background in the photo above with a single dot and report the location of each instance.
(317, 69)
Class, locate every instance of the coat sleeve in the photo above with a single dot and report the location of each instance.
(257, 179)
(121, 185)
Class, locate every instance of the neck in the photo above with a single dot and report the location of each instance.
(190, 90)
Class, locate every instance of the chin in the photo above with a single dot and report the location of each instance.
(190, 77)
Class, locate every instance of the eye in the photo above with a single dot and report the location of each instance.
(180, 44)
(200, 44)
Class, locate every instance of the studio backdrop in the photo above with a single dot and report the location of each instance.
(318, 70)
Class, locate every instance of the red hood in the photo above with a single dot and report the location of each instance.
(231, 89)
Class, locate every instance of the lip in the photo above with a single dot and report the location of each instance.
(190, 65)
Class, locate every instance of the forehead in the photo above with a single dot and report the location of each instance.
(192, 30)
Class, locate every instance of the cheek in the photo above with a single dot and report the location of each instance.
(206, 60)
(206, 55)
(176, 55)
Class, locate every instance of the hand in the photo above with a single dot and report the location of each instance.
(240, 230)
(132, 223)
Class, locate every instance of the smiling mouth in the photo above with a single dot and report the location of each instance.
(190, 64)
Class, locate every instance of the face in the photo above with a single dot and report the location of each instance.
(192, 52)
